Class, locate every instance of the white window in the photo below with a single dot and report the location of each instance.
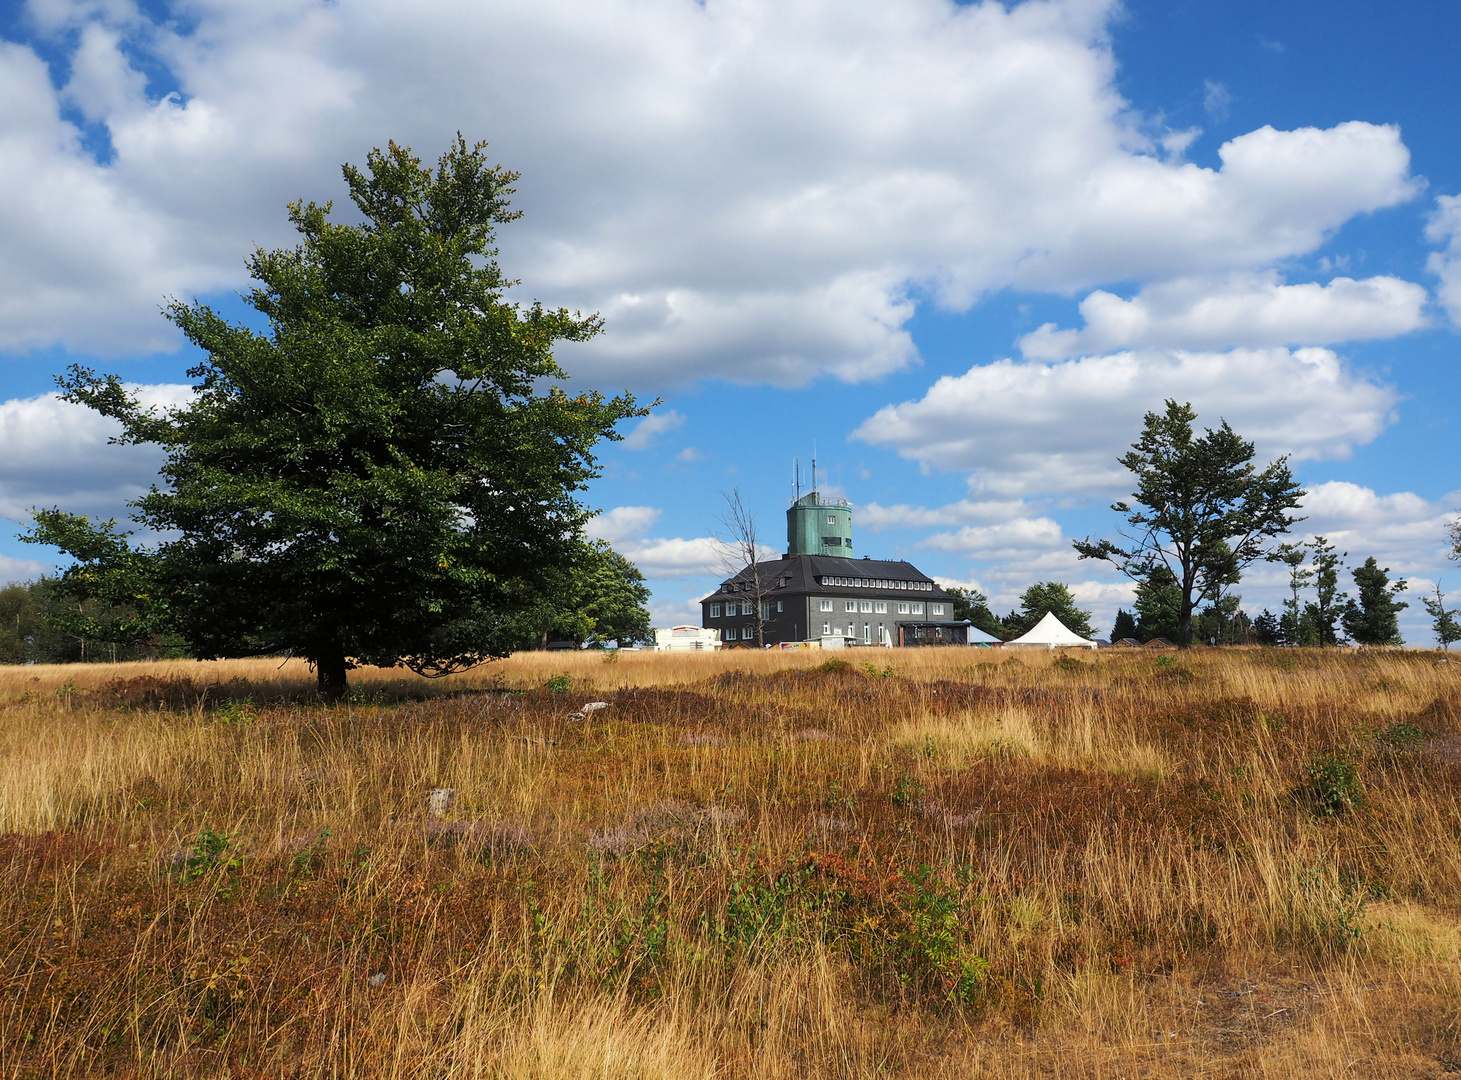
(936, 609)
(903, 608)
(745, 607)
(867, 633)
(826, 605)
(826, 628)
(778, 607)
(831, 519)
(748, 633)
(715, 611)
(765, 609)
(918, 609)
(881, 607)
(867, 605)
(852, 605)
(852, 630)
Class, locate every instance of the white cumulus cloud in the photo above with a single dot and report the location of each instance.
(1009, 539)
(651, 427)
(748, 189)
(53, 453)
(1402, 527)
(1245, 309)
(13, 570)
(1445, 228)
(876, 517)
(1028, 427)
(627, 529)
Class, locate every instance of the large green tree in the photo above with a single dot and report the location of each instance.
(383, 474)
(600, 598)
(1158, 605)
(1201, 509)
(1372, 619)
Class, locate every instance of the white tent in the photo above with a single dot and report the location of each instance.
(1051, 633)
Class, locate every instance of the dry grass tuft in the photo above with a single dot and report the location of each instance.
(954, 742)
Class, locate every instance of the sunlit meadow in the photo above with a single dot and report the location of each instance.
(923, 863)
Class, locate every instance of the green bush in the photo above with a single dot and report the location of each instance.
(211, 851)
(1399, 739)
(906, 789)
(1334, 786)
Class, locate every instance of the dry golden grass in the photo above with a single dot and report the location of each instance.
(972, 864)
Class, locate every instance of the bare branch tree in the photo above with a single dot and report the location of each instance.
(740, 549)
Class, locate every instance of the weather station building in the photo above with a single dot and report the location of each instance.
(820, 592)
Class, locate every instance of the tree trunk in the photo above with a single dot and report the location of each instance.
(1184, 623)
(330, 666)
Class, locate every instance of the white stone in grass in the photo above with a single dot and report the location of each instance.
(439, 801)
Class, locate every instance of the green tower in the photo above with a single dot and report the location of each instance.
(819, 525)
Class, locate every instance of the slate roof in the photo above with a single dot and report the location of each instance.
(800, 573)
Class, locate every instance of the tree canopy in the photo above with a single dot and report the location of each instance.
(386, 473)
(598, 599)
(973, 605)
(1202, 510)
(1371, 620)
(1158, 605)
(1124, 626)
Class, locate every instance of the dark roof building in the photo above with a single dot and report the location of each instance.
(811, 594)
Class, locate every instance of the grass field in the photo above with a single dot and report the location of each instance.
(926, 863)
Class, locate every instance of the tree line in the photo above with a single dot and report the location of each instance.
(600, 599)
(1203, 512)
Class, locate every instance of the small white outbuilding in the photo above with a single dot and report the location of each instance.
(1051, 633)
(686, 639)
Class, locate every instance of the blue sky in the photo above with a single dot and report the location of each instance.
(959, 249)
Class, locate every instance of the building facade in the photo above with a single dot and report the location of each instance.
(818, 590)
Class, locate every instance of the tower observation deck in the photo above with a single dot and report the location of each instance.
(817, 524)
